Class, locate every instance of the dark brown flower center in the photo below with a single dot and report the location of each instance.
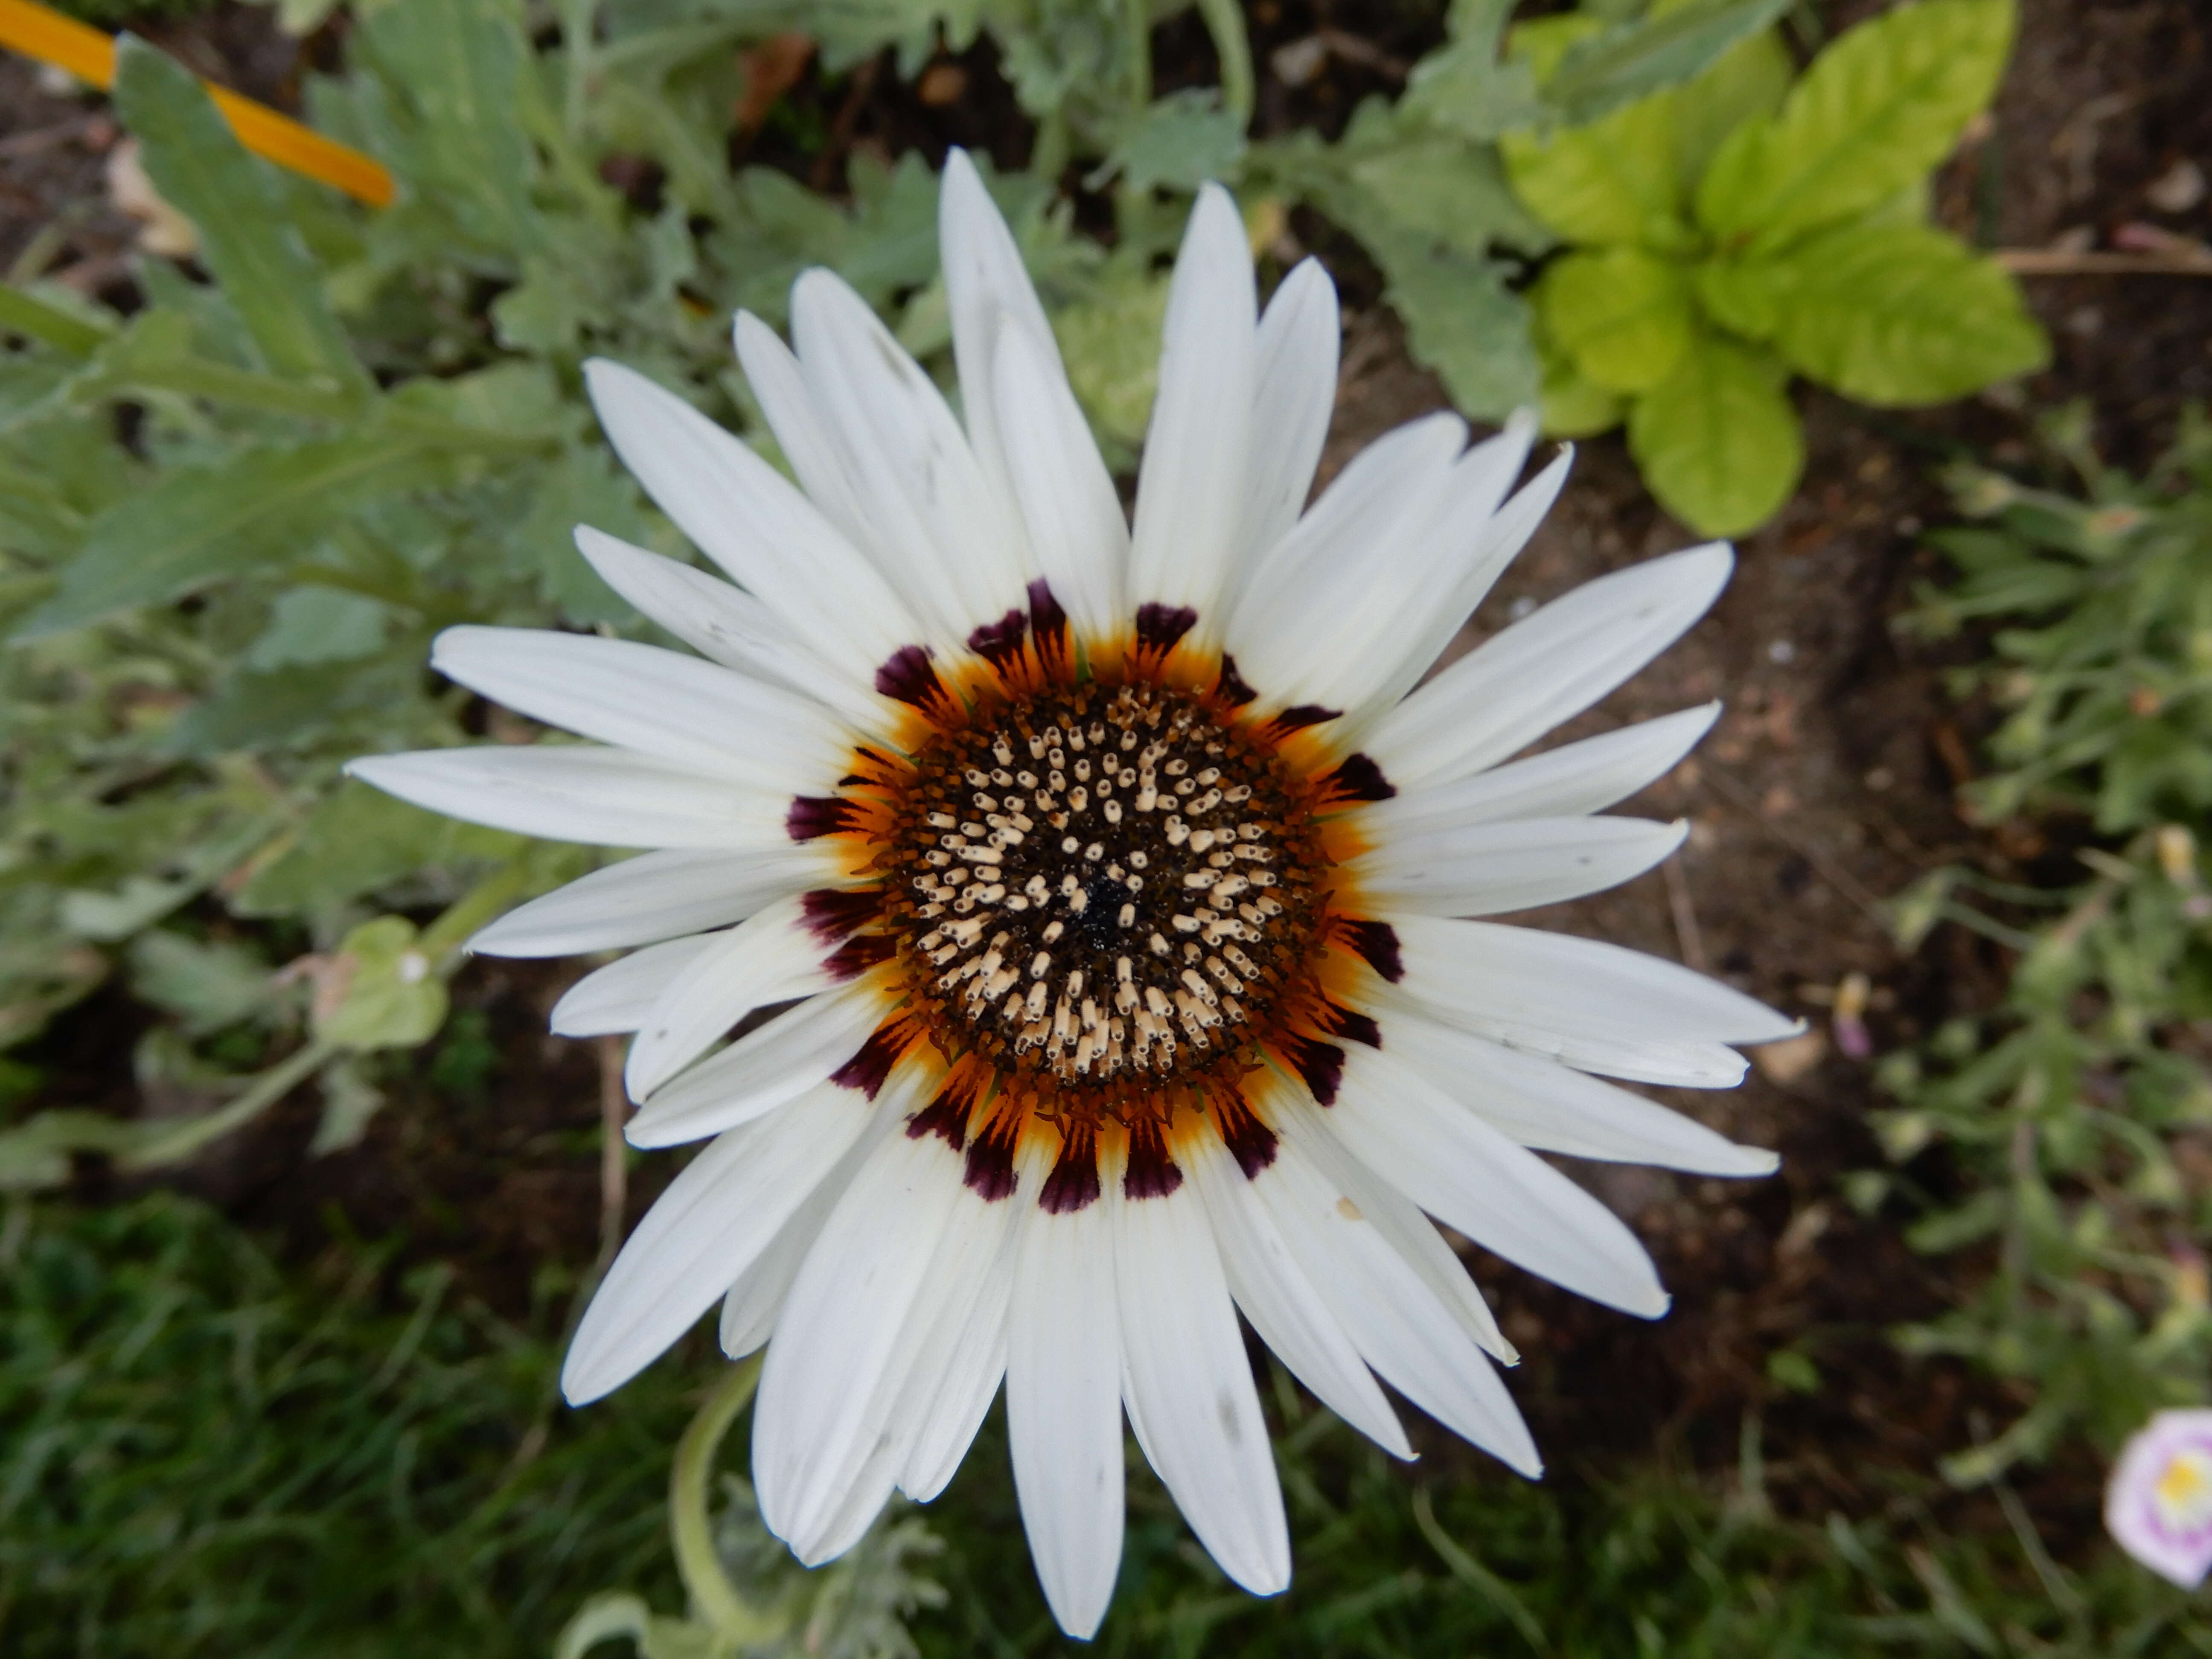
(1102, 883)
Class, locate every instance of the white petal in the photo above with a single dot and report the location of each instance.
(619, 996)
(1531, 977)
(1586, 776)
(602, 797)
(1189, 1385)
(936, 527)
(756, 1300)
(866, 1340)
(1391, 1310)
(1064, 1408)
(759, 960)
(727, 624)
(661, 704)
(1066, 497)
(1193, 484)
(747, 517)
(1411, 1236)
(988, 293)
(763, 1068)
(1470, 1176)
(1487, 869)
(1269, 1285)
(1554, 1110)
(1299, 336)
(716, 1216)
(653, 896)
(975, 1359)
(1513, 689)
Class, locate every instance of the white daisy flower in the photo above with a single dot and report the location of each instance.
(1120, 871)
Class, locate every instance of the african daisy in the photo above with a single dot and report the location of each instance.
(1116, 871)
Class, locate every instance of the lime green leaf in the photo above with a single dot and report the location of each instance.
(1875, 111)
(1623, 315)
(1717, 440)
(386, 989)
(1108, 340)
(214, 521)
(1748, 84)
(1613, 181)
(1899, 315)
(1574, 407)
(1668, 47)
(1740, 295)
(245, 240)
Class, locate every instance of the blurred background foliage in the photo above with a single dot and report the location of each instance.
(232, 520)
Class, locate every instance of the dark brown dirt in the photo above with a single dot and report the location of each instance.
(1828, 784)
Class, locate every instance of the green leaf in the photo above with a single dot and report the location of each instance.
(1748, 83)
(1615, 181)
(1668, 47)
(358, 840)
(320, 625)
(1898, 315)
(1738, 295)
(1623, 315)
(197, 525)
(1462, 322)
(1876, 110)
(1108, 341)
(245, 240)
(1717, 440)
(391, 995)
(1573, 407)
(1180, 141)
(207, 985)
(459, 64)
(34, 317)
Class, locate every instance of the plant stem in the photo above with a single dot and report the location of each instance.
(714, 1599)
(1225, 21)
(272, 1086)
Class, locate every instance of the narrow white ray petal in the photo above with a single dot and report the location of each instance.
(1586, 776)
(1270, 1286)
(715, 1217)
(1368, 515)
(1513, 689)
(758, 961)
(977, 1364)
(727, 624)
(988, 293)
(1488, 869)
(779, 385)
(1503, 538)
(1192, 486)
(1389, 1310)
(1535, 977)
(847, 1522)
(601, 797)
(618, 997)
(1066, 497)
(765, 1067)
(1300, 335)
(756, 1300)
(658, 702)
(1555, 1109)
(828, 1392)
(746, 516)
(1502, 1196)
(940, 533)
(1064, 1408)
(655, 895)
(1396, 1219)
(1189, 1384)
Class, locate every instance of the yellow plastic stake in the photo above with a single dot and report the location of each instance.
(89, 53)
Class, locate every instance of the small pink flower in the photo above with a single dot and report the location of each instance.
(2159, 1503)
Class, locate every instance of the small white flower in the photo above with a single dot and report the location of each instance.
(2158, 1505)
(1119, 871)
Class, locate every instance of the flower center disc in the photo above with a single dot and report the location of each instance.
(1105, 886)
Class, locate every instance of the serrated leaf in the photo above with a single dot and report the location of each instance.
(1717, 440)
(1463, 323)
(245, 240)
(1879, 108)
(195, 525)
(1621, 314)
(391, 997)
(1670, 45)
(1898, 315)
(1437, 184)
(1180, 141)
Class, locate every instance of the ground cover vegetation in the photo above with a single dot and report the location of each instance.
(235, 509)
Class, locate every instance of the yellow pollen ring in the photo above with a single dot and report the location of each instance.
(89, 53)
